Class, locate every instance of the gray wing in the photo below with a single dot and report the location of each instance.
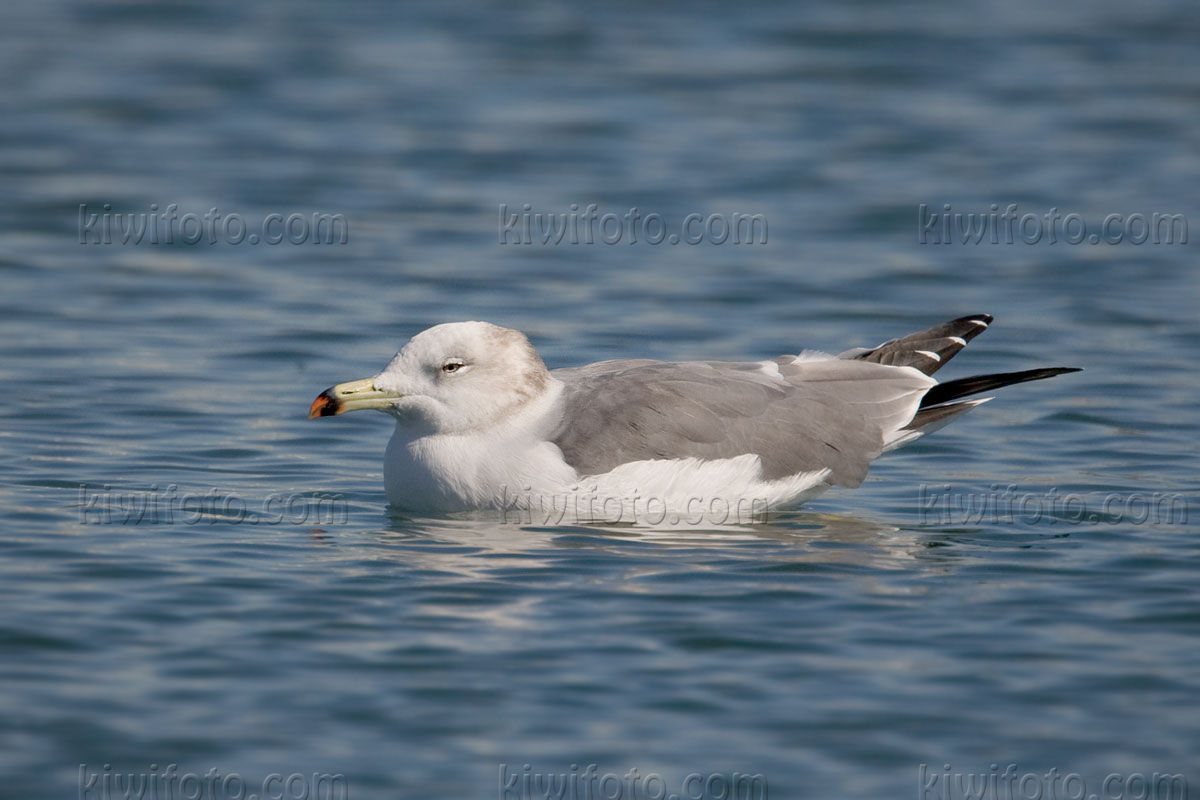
(796, 415)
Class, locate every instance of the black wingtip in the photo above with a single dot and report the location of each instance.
(964, 387)
(1050, 372)
(926, 350)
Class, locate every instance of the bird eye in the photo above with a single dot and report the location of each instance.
(452, 366)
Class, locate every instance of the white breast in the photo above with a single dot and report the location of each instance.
(478, 468)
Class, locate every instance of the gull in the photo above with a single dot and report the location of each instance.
(481, 423)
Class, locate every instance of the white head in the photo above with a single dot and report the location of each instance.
(450, 378)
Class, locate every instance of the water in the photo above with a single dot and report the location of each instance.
(834, 651)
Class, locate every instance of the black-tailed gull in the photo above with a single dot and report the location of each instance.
(481, 423)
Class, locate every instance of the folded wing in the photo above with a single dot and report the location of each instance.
(796, 415)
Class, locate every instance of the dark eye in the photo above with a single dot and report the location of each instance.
(452, 366)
